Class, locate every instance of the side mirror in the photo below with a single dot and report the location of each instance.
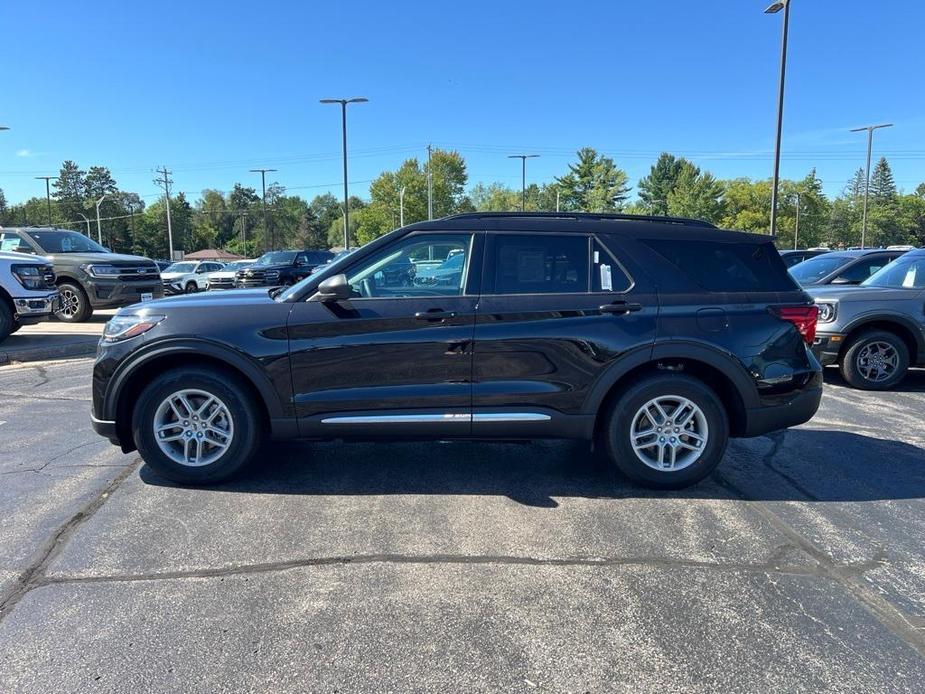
(841, 280)
(335, 288)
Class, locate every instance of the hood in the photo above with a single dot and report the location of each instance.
(217, 300)
(221, 273)
(856, 293)
(264, 268)
(99, 258)
(23, 257)
(174, 275)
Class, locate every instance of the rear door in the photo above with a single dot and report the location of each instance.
(556, 310)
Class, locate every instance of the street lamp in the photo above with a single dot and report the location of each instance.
(343, 113)
(99, 230)
(870, 142)
(87, 220)
(774, 8)
(401, 206)
(47, 193)
(523, 176)
(266, 224)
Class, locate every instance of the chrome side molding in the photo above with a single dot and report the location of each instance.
(436, 418)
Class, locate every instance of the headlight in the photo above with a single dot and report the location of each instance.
(100, 270)
(124, 327)
(29, 276)
(827, 312)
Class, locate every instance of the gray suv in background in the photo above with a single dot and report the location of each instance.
(875, 331)
(89, 276)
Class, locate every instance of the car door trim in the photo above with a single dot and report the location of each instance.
(438, 418)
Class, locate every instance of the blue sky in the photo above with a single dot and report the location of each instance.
(213, 89)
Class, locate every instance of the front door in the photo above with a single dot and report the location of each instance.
(396, 358)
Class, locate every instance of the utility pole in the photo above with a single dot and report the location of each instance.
(523, 177)
(774, 8)
(401, 206)
(796, 228)
(131, 211)
(243, 217)
(165, 181)
(557, 199)
(47, 193)
(267, 239)
(870, 143)
(99, 229)
(87, 220)
(430, 184)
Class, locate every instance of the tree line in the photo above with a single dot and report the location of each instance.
(675, 186)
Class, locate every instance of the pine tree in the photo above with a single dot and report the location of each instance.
(882, 185)
(662, 179)
(593, 184)
(697, 195)
(856, 184)
(70, 191)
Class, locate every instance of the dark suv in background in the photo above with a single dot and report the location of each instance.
(89, 276)
(277, 268)
(654, 338)
(842, 267)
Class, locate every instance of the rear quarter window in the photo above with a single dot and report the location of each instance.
(726, 267)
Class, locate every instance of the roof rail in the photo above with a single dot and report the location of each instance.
(585, 216)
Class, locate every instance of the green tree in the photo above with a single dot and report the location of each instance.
(336, 229)
(747, 205)
(70, 192)
(655, 188)
(856, 185)
(882, 185)
(594, 184)
(697, 195)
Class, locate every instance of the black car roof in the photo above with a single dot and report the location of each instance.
(582, 222)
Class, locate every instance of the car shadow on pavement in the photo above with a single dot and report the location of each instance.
(914, 382)
(796, 465)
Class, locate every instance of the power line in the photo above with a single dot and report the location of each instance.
(166, 181)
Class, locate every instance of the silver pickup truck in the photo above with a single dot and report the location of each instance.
(27, 291)
(874, 331)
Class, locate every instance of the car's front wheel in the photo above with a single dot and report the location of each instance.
(875, 360)
(75, 306)
(191, 288)
(666, 431)
(197, 425)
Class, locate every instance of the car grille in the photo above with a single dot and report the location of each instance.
(221, 283)
(138, 273)
(251, 278)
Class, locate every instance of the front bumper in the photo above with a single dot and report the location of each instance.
(105, 428)
(31, 309)
(116, 293)
(827, 346)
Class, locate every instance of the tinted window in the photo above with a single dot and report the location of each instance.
(905, 273)
(414, 266)
(606, 275)
(540, 264)
(65, 242)
(726, 267)
(863, 269)
(276, 258)
(814, 269)
(318, 257)
(13, 242)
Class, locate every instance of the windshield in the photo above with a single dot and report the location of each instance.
(181, 267)
(904, 273)
(814, 269)
(237, 265)
(277, 258)
(65, 242)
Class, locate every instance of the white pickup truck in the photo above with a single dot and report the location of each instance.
(27, 291)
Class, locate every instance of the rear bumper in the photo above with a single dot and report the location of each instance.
(826, 347)
(796, 409)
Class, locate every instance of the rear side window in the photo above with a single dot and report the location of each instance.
(541, 264)
(726, 267)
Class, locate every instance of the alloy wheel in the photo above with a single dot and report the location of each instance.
(878, 361)
(669, 433)
(193, 427)
(70, 303)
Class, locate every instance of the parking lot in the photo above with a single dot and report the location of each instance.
(472, 567)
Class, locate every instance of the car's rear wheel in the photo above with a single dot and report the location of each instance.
(191, 288)
(666, 431)
(75, 306)
(875, 360)
(197, 425)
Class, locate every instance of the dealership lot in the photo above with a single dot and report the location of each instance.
(479, 567)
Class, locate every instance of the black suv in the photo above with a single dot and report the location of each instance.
(654, 338)
(281, 268)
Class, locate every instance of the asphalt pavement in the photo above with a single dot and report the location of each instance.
(54, 339)
(799, 566)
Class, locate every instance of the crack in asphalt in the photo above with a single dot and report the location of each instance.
(33, 396)
(40, 468)
(35, 572)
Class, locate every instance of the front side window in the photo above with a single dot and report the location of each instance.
(540, 264)
(862, 270)
(419, 265)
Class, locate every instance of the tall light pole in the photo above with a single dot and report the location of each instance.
(557, 199)
(870, 143)
(796, 228)
(773, 9)
(343, 115)
(401, 206)
(267, 241)
(87, 220)
(99, 229)
(523, 176)
(47, 180)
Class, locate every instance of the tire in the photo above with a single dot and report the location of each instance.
(670, 391)
(190, 288)
(875, 360)
(8, 324)
(238, 416)
(75, 306)
(16, 326)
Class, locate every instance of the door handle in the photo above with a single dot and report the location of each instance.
(434, 314)
(620, 307)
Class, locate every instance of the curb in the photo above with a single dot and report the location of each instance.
(75, 349)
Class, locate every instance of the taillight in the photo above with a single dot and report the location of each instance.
(803, 317)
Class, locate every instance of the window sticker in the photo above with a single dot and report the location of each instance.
(606, 278)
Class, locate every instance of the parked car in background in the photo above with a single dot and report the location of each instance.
(88, 275)
(876, 331)
(842, 267)
(278, 268)
(628, 332)
(225, 278)
(792, 257)
(162, 264)
(27, 290)
(188, 276)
